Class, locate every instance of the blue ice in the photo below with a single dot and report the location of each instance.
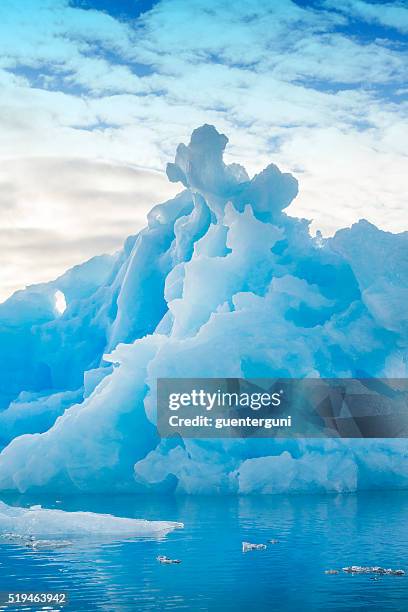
(221, 282)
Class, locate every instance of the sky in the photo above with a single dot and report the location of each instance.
(96, 95)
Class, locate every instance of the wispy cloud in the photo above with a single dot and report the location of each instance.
(389, 14)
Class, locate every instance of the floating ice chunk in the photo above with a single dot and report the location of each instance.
(167, 560)
(358, 569)
(39, 522)
(246, 546)
(331, 572)
(31, 541)
(36, 544)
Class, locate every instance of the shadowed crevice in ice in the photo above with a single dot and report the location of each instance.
(221, 283)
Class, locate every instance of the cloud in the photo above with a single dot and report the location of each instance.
(388, 14)
(55, 213)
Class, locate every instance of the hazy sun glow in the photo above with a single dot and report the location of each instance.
(60, 302)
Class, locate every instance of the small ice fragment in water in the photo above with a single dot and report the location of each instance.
(331, 572)
(248, 546)
(164, 559)
(358, 569)
(12, 536)
(33, 543)
(274, 541)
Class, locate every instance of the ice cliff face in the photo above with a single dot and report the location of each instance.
(220, 283)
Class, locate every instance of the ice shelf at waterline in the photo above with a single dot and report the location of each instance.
(221, 283)
(37, 521)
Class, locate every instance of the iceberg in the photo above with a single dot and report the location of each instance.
(222, 282)
(39, 522)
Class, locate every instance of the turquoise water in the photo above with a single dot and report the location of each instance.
(315, 533)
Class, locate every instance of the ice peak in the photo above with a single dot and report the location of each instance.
(199, 166)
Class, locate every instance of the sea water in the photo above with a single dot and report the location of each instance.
(314, 533)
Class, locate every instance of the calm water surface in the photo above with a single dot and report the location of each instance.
(314, 532)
